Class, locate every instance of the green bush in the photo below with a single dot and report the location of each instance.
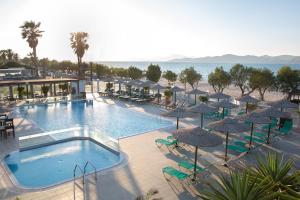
(203, 99)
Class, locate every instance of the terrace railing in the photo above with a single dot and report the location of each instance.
(85, 132)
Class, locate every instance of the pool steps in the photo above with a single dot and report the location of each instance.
(83, 173)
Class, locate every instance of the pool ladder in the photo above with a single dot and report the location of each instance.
(83, 173)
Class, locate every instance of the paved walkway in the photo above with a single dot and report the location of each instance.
(141, 169)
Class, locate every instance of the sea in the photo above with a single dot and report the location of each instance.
(203, 68)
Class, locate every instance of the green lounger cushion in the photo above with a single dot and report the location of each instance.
(260, 135)
(240, 143)
(190, 166)
(239, 149)
(254, 139)
(175, 173)
(171, 138)
(166, 142)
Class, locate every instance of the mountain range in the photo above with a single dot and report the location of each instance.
(248, 59)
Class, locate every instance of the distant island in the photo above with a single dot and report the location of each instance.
(248, 59)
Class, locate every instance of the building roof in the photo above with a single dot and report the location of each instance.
(35, 81)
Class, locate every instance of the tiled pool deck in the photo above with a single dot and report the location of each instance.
(142, 170)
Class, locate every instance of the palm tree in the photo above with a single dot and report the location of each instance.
(238, 187)
(31, 32)
(79, 46)
(279, 170)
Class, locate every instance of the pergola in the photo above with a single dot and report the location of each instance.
(30, 83)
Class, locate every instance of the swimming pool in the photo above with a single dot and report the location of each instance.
(112, 120)
(49, 165)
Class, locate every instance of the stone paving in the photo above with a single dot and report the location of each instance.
(141, 169)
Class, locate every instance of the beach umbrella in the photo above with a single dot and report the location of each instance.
(224, 104)
(196, 92)
(157, 87)
(229, 125)
(258, 118)
(284, 104)
(176, 89)
(203, 109)
(179, 113)
(247, 99)
(219, 95)
(197, 137)
(271, 112)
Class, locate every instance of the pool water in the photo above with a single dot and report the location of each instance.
(112, 120)
(53, 164)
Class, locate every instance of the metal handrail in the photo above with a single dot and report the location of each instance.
(74, 177)
(85, 166)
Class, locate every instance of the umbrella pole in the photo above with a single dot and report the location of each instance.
(195, 164)
(158, 96)
(201, 120)
(226, 146)
(175, 98)
(177, 123)
(223, 113)
(195, 99)
(269, 131)
(246, 107)
(250, 142)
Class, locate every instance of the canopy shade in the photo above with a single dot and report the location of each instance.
(224, 104)
(157, 87)
(248, 99)
(219, 95)
(284, 104)
(196, 91)
(176, 89)
(229, 125)
(203, 108)
(271, 112)
(197, 137)
(179, 113)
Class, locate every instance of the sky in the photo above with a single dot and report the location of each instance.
(133, 30)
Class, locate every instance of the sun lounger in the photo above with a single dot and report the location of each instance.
(287, 126)
(254, 139)
(190, 166)
(166, 143)
(238, 149)
(261, 135)
(171, 171)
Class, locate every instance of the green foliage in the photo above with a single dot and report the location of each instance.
(203, 99)
(219, 79)
(190, 76)
(109, 86)
(31, 33)
(240, 76)
(45, 90)
(288, 80)
(168, 93)
(153, 73)
(79, 45)
(7, 55)
(135, 73)
(239, 187)
(20, 92)
(119, 71)
(101, 70)
(262, 80)
(278, 170)
(63, 87)
(170, 76)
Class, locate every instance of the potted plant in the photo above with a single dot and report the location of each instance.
(45, 90)
(20, 92)
(168, 95)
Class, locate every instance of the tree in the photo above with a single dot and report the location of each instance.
(79, 46)
(101, 70)
(45, 90)
(153, 73)
(190, 76)
(288, 80)
(135, 73)
(240, 76)
(219, 79)
(119, 71)
(279, 170)
(170, 76)
(262, 80)
(31, 32)
(238, 186)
